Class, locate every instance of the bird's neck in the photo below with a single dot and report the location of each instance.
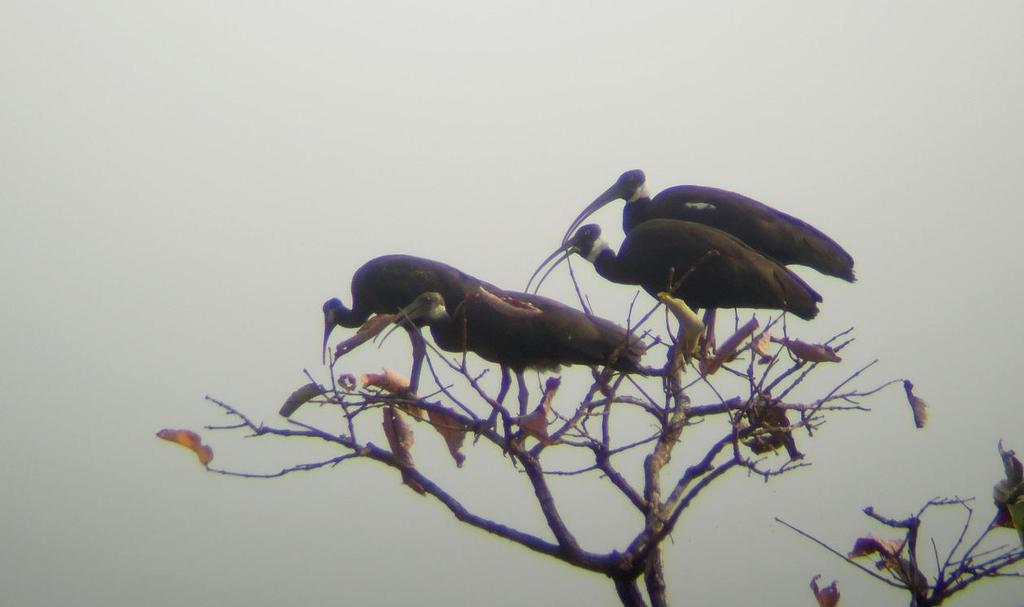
(635, 213)
(607, 265)
(348, 318)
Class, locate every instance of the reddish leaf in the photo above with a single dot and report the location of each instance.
(827, 596)
(401, 438)
(729, 347)
(815, 353)
(452, 430)
(917, 405)
(299, 397)
(390, 381)
(535, 423)
(189, 440)
(865, 546)
(762, 347)
(370, 329)
(1008, 493)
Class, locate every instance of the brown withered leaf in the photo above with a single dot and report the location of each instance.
(189, 440)
(300, 397)
(535, 423)
(889, 550)
(729, 347)
(815, 353)
(400, 439)
(827, 596)
(370, 329)
(452, 430)
(1008, 493)
(389, 381)
(768, 416)
(917, 405)
(866, 546)
(762, 347)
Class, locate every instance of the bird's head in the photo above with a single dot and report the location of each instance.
(586, 241)
(630, 186)
(333, 309)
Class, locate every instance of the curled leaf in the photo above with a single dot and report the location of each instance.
(917, 405)
(300, 397)
(390, 381)
(535, 423)
(815, 353)
(189, 440)
(1008, 493)
(729, 347)
(889, 550)
(827, 596)
(370, 329)
(691, 327)
(762, 347)
(452, 430)
(400, 439)
(774, 428)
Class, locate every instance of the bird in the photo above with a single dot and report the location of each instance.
(778, 235)
(521, 331)
(386, 284)
(515, 330)
(702, 265)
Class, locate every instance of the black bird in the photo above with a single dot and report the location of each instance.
(703, 266)
(782, 237)
(515, 330)
(387, 284)
(522, 331)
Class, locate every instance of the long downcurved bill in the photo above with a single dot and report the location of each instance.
(561, 254)
(328, 327)
(610, 195)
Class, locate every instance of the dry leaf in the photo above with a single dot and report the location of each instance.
(535, 423)
(917, 405)
(452, 430)
(691, 327)
(815, 353)
(766, 415)
(890, 550)
(400, 439)
(1008, 493)
(729, 347)
(762, 347)
(827, 596)
(299, 397)
(370, 329)
(390, 381)
(189, 440)
(866, 546)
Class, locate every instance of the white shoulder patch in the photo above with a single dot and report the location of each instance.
(700, 206)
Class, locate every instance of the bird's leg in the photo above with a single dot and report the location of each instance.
(419, 351)
(506, 382)
(524, 394)
(707, 343)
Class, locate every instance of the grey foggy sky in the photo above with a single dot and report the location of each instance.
(184, 183)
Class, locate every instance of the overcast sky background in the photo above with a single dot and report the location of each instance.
(184, 184)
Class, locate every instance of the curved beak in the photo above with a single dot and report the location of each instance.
(328, 327)
(561, 254)
(610, 195)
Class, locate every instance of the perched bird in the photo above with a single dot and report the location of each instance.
(385, 285)
(703, 266)
(782, 237)
(515, 330)
(521, 331)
